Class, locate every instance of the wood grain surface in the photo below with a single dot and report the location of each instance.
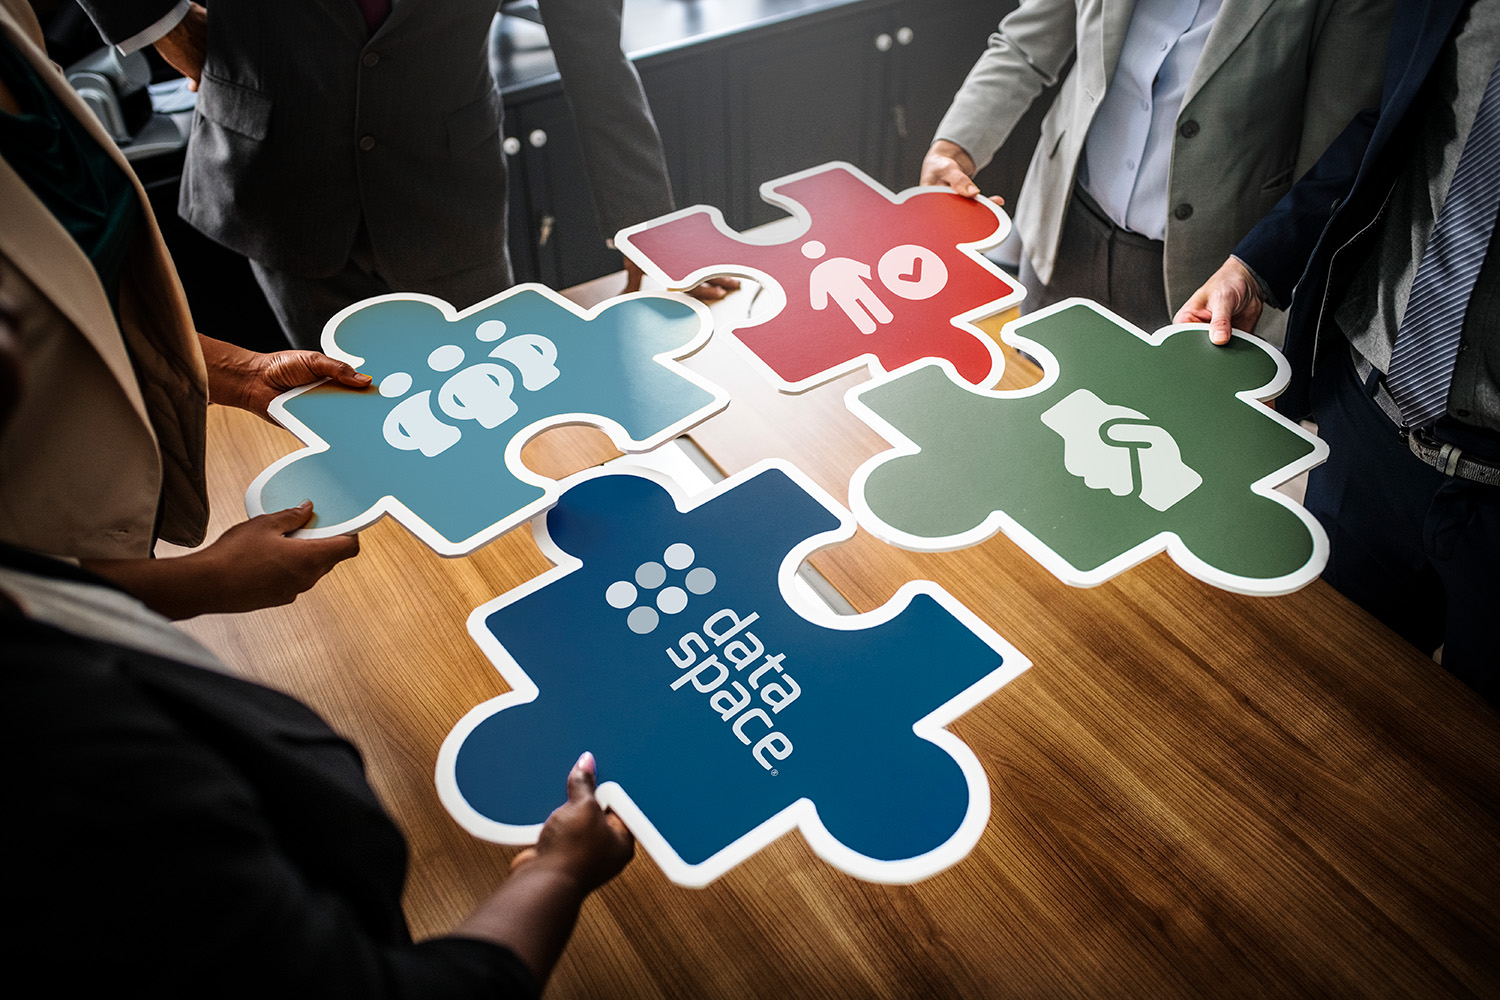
(1194, 793)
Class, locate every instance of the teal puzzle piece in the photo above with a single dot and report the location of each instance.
(436, 440)
(1131, 444)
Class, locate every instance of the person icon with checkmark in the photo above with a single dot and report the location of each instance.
(844, 281)
(909, 271)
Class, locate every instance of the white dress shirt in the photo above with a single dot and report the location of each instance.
(1129, 147)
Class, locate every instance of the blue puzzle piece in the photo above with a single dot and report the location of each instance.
(721, 716)
(437, 440)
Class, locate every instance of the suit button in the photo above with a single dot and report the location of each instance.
(1183, 211)
(370, 58)
(367, 143)
(1188, 129)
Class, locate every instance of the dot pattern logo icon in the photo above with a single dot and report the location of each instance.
(660, 588)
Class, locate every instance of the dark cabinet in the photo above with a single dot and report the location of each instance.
(688, 100)
(930, 48)
(864, 81)
(801, 95)
(554, 230)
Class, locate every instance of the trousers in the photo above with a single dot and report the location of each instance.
(1417, 549)
(1096, 259)
(304, 304)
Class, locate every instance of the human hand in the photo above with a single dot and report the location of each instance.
(185, 47)
(288, 369)
(580, 848)
(242, 378)
(581, 841)
(1230, 298)
(948, 165)
(251, 566)
(256, 565)
(714, 289)
(711, 290)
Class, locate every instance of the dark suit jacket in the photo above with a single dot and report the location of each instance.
(1311, 240)
(306, 123)
(179, 832)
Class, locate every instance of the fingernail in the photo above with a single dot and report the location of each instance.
(363, 377)
(304, 505)
(586, 762)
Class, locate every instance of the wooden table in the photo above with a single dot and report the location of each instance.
(1194, 793)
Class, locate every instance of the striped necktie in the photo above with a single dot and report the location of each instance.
(374, 11)
(1427, 345)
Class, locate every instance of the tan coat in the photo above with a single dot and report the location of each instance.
(103, 435)
(1277, 81)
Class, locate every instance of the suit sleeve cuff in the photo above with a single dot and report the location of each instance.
(1266, 295)
(155, 32)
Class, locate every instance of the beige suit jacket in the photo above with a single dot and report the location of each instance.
(1277, 81)
(106, 436)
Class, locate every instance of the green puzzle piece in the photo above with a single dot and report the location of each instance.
(1131, 444)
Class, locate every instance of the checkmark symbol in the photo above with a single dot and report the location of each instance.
(915, 274)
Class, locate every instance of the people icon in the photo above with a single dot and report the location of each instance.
(481, 392)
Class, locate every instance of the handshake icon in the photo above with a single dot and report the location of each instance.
(1118, 449)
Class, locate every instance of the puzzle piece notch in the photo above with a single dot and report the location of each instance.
(1131, 444)
(436, 441)
(723, 720)
(872, 278)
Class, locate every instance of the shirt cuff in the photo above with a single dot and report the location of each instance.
(155, 32)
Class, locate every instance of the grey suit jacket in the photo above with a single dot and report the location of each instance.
(1277, 81)
(305, 125)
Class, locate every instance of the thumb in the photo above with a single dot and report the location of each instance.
(289, 520)
(317, 365)
(964, 184)
(346, 375)
(1222, 314)
(582, 778)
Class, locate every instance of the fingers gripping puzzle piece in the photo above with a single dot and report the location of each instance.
(436, 440)
(873, 277)
(1131, 444)
(721, 715)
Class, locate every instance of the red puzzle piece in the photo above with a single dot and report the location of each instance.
(873, 278)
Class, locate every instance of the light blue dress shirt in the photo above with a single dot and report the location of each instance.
(1129, 147)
